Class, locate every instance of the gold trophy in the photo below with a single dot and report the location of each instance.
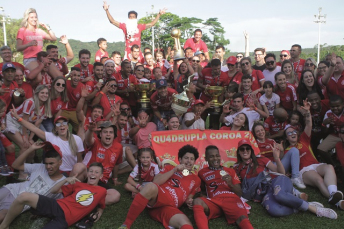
(181, 102)
(214, 92)
(179, 52)
(144, 101)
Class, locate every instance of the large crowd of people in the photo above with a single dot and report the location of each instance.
(92, 125)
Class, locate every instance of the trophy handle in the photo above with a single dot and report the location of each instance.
(186, 87)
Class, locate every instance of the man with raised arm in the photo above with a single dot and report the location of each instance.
(132, 30)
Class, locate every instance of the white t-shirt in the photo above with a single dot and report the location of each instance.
(270, 76)
(251, 115)
(270, 103)
(68, 159)
(198, 124)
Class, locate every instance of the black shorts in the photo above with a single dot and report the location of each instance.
(48, 207)
(104, 185)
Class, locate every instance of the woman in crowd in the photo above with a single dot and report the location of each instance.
(307, 83)
(233, 74)
(173, 122)
(288, 69)
(240, 123)
(286, 92)
(181, 74)
(310, 64)
(30, 29)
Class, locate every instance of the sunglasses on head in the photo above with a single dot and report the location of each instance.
(196, 61)
(291, 133)
(246, 63)
(309, 64)
(283, 55)
(113, 85)
(245, 148)
(270, 62)
(61, 124)
(60, 84)
(239, 56)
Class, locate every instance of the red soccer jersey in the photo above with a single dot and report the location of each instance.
(257, 76)
(215, 186)
(236, 78)
(109, 157)
(241, 169)
(146, 175)
(164, 66)
(85, 73)
(124, 84)
(200, 46)
(273, 127)
(208, 78)
(338, 122)
(99, 55)
(287, 97)
(108, 103)
(159, 103)
(298, 65)
(134, 38)
(80, 199)
(27, 88)
(266, 148)
(7, 97)
(57, 104)
(336, 86)
(318, 116)
(74, 94)
(249, 99)
(306, 154)
(179, 187)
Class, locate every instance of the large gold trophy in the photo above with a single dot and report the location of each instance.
(181, 103)
(178, 52)
(214, 92)
(144, 101)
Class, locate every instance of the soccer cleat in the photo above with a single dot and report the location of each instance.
(298, 183)
(335, 197)
(326, 212)
(316, 204)
(123, 226)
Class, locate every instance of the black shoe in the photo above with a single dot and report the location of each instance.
(87, 222)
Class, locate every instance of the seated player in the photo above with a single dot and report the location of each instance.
(79, 200)
(170, 189)
(223, 191)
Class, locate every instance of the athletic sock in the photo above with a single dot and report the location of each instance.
(200, 217)
(186, 226)
(332, 188)
(137, 206)
(245, 223)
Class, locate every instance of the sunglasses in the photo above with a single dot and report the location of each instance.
(270, 62)
(283, 55)
(196, 61)
(60, 84)
(245, 148)
(246, 63)
(309, 64)
(61, 124)
(125, 109)
(113, 85)
(239, 56)
(291, 133)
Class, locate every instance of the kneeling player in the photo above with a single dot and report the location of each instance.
(79, 200)
(223, 191)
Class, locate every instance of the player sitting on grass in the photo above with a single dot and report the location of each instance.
(79, 200)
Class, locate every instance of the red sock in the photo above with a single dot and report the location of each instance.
(136, 207)
(200, 217)
(186, 226)
(10, 157)
(245, 223)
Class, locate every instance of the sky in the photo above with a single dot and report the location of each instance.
(275, 25)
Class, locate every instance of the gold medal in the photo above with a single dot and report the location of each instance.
(185, 172)
(223, 173)
(16, 93)
(100, 80)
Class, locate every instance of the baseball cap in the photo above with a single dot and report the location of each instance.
(60, 117)
(107, 124)
(49, 146)
(199, 101)
(231, 60)
(7, 66)
(161, 83)
(244, 142)
(198, 52)
(287, 51)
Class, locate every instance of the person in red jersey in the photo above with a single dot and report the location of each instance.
(6, 55)
(257, 76)
(80, 199)
(9, 85)
(107, 152)
(116, 57)
(313, 173)
(274, 125)
(334, 77)
(292, 77)
(30, 37)
(58, 96)
(285, 55)
(134, 56)
(233, 74)
(161, 102)
(223, 191)
(85, 67)
(286, 92)
(24, 88)
(197, 44)
(170, 189)
(295, 53)
(93, 87)
(181, 74)
(102, 44)
(41, 72)
(132, 30)
(61, 63)
(109, 69)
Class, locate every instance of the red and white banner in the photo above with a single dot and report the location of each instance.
(166, 144)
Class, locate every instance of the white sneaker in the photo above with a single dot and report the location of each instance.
(335, 197)
(316, 204)
(298, 183)
(326, 212)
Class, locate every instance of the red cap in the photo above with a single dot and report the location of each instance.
(60, 117)
(231, 60)
(49, 146)
(199, 101)
(100, 119)
(287, 51)
(244, 142)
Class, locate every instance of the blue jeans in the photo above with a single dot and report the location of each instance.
(47, 125)
(291, 160)
(280, 201)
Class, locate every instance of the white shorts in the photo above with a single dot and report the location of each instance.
(12, 126)
(312, 167)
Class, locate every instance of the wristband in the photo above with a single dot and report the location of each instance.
(20, 119)
(138, 186)
(102, 93)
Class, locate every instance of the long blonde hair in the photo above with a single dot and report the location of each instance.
(46, 104)
(26, 17)
(71, 141)
(54, 93)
